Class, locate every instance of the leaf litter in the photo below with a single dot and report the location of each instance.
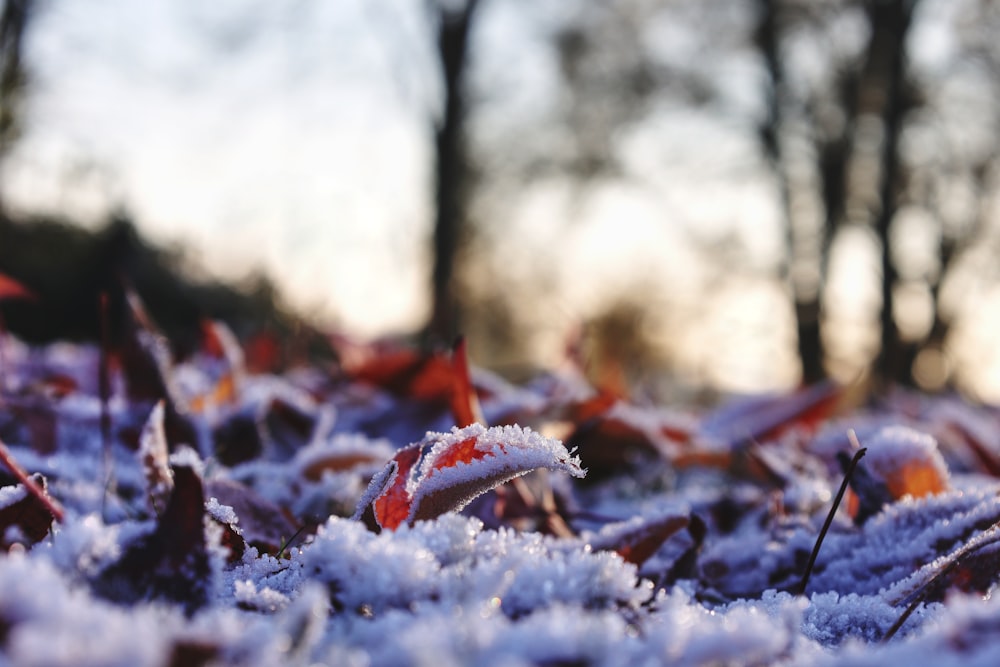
(369, 514)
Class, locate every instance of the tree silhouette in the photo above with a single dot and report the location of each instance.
(13, 21)
(454, 24)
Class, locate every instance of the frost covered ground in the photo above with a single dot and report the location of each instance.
(190, 512)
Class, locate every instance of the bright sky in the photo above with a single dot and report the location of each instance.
(282, 141)
(295, 137)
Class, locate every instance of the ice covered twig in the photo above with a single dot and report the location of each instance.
(444, 471)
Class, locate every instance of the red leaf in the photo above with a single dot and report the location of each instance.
(463, 452)
(263, 353)
(443, 472)
(464, 401)
(223, 359)
(408, 373)
(11, 290)
(393, 505)
(636, 543)
(766, 417)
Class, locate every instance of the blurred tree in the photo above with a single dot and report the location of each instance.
(14, 18)
(873, 123)
(108, 260)
(603, 80)
(852, 117)
(886, 91)
(451, 168)
(854, 92)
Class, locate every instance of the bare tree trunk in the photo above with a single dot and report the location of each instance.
(890, 23)
(451, 170)
(806, 300)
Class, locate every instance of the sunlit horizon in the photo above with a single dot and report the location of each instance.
(300, 144)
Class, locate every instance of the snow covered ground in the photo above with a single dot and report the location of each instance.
(206, 515)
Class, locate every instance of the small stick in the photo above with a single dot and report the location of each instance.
(22, 476)
(833, 511)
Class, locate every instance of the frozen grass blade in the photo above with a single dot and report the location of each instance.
(988, 538)
(833, 511)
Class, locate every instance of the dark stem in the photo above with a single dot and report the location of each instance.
(902, 619)
(829, 517)
(288, 542)
(22, 476)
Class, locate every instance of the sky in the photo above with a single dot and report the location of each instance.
(295, 139)
(270, 136)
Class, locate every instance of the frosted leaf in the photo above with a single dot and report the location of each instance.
(497, 455)
(221, 513)
(155, 457)
(907, 460)
(445, 471)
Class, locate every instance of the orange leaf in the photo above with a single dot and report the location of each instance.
(907, 462)
(407, 373)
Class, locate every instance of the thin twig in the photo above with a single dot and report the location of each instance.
(833, 511)
(22, 476)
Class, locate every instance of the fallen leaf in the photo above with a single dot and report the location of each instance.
(172, 562)
(901, 462)
(464, 401)
(261, 522)
(637, 541)
(444, 471)
(12, 290)
(761, 418)
(154, 455)
(25, 512)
